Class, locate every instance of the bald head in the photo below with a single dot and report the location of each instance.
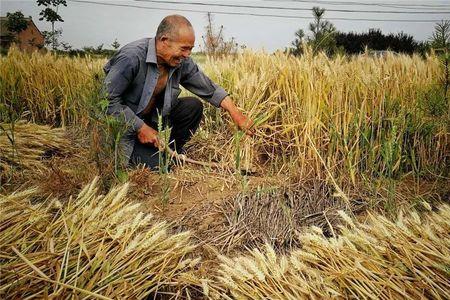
(172, 25)
(175, 39)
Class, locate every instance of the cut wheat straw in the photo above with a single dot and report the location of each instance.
(27, 144)
(408, 259)
(95, 245)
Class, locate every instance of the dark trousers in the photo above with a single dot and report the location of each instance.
(184, 119)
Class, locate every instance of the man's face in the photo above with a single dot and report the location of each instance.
(178, 47)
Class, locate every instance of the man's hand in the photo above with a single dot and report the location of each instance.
(243, 122)
(148, 135)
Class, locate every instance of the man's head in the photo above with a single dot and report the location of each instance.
(175, 39)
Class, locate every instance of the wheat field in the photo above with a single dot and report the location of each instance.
(347, 195)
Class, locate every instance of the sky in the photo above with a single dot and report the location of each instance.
(90, 24)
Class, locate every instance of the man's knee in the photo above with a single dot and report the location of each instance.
(192, 105)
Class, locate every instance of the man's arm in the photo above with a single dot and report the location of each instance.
(120, 73)
(242, 121)
(198, 83)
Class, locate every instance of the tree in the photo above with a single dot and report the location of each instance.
(214, 41)
(441, 36)
(322, 37)
(16, 22)
(50, 14)
(115, 45)
(298, 42)
(52, 38)
(66, 46)
(99, 48)
(98, 51)
(440, 40)
(374, 39)
(323, 32)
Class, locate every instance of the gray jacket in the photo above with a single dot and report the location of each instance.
(131, 77)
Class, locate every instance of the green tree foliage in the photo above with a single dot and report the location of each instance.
(321, 37)
(51, 38)
(374, 39)
(16, 22)
(323, 33)
(440, 40)
(441, 35)
(324, 37)
(50, 14)
(115, 45)
(298, 42)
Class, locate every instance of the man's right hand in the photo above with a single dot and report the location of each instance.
(148, 135)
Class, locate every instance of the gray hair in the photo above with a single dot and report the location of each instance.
(170, 25)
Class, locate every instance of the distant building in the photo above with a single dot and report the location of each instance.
(382, 53)
(30, 39)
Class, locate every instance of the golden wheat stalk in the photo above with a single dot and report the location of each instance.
(26, 145)
(380, 259)
(362, 114)
(94, 245)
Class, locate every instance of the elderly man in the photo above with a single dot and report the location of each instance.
(142, 81)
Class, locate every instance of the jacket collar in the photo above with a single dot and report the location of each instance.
(151, 52)
(151, 55)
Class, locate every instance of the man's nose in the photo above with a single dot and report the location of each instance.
(186, 53)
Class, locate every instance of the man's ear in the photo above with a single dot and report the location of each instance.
(164, 38)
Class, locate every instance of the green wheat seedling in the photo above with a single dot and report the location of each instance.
(164, 159)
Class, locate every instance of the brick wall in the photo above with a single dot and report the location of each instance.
(30, 39)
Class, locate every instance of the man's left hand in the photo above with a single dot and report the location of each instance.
(243, 122)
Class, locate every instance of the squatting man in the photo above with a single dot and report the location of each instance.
(142, 81)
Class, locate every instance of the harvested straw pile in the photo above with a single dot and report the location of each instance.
(279, 214)
(380, 259)
(26, 144)
(95, 245)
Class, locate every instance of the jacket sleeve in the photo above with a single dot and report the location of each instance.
(194, 80)
(120, 72)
